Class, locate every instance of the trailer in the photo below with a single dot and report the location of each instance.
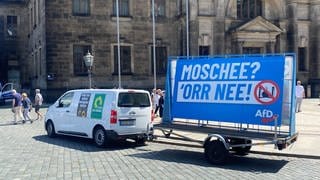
(240, 101)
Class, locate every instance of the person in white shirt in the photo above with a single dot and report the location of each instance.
(38, 99)
(299, 96)
(155, 100)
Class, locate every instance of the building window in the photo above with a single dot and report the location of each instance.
(79, 68)
(302, 65)
(123, 8)
(30, 20)
(251, 50)
(180, 7)
(12, 26)
(39, 11)
(161, 60)
(248, 9)
(35, 14)
(159, 8)
(125, 60)
(81, 7)
(204, 50)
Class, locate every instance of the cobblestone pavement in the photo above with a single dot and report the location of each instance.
(27, 153)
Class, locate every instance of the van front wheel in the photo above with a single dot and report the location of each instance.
(50, 129)
(99, 137)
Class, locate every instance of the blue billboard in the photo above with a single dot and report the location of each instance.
(239, 89)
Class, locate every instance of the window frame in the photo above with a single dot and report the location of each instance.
(114, 58)
(12, 26)
(161, 70)
(81, 10)
(302, 59)
(83, 70)
(203, 48)
(245, 10)
(122, 12)
(158, 14)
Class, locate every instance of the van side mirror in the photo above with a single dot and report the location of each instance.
(60, 104)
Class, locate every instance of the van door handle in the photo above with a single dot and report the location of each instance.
(67, 111)
(132, 113)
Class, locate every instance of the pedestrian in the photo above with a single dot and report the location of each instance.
(300, 94)
(161, 104)
(158, 92)
(27, 105)
(16, 105)
(155, 101)
(38, 99)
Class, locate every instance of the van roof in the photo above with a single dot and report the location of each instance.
(109, 90)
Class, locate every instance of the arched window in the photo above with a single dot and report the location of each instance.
(247, 9)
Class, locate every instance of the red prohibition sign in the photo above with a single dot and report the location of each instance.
(271, 97)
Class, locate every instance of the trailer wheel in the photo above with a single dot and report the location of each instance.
(216, 153)
(244, 150)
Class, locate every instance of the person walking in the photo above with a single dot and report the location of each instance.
(38, 99)
(155, 101)
(300, 94)
(16, 105)
(27, 105)
(161, 104)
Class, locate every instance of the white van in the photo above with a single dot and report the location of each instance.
(102, 114)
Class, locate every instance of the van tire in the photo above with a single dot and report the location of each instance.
(141, 141)
(50, 129)
(99, 137)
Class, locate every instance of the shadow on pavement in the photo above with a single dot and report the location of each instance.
(239, 163)
(83, 144)
(11, 123)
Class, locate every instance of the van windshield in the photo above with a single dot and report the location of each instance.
(132, 99)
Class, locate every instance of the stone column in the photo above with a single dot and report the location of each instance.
(292, 26)
(271, 47)
(314, 39)
(239, 48)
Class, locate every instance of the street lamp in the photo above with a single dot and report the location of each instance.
(88, 60)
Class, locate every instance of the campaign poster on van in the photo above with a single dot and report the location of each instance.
(244, 89)
(97, 106)
(83, 104)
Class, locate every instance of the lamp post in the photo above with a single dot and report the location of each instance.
(88, 60)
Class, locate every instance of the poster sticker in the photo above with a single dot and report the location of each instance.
(97, 106)
(83, 105)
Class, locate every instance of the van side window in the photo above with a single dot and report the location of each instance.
(66, 100)
(133, 100)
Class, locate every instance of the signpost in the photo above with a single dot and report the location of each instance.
(240, 89)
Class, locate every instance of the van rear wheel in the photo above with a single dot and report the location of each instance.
(99, 137)
(141, 141)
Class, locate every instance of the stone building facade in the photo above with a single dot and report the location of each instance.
(261, 26)
(66, 30)
(76, 29)
(12, 41)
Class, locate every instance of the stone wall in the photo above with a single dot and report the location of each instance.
(99, 30)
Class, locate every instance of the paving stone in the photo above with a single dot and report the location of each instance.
(27, 153)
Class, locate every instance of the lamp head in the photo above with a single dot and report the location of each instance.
(88, 59)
